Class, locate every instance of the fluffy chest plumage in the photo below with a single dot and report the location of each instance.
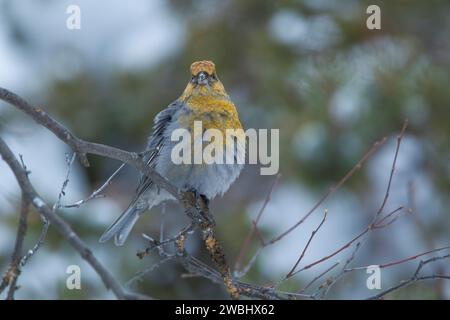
(208, 179)
(214, 112)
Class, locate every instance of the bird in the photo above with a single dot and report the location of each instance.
(204, 99)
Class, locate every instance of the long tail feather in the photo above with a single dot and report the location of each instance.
(120, 229)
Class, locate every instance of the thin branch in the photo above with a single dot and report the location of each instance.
(65, 183)
(98, 192)
(290, 273)
(368, 229)
(254, 229)
(415, 278)
(319, 276)
(325, 288)
(408, 283)
(425, 235)
(12, 275)
(397, 262)
(155, 244)
(161, 227)
(391, 175)
(403, 283)
(244, 270)
(428, 261)
(14, 270)
(138, 276)
(39, 242)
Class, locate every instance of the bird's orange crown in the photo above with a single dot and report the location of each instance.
(204, 65)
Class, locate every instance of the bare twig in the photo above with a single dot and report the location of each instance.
(391, 175)
(425, 235)
(415, 277)
(397, 262)
(154, 244)
(244, 270)
(39, 242)
(406, 283)
(98, 192)
(291, 272)
(65, 183)
(12, 275)
(319, 276)
(325, 288)
(368, 229)
(254, 229)
(161, 227)
(138, 276)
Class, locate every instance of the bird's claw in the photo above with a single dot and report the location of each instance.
(193, 199)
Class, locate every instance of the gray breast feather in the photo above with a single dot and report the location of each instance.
(210, 180)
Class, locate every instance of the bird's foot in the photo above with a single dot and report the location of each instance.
(193, 199)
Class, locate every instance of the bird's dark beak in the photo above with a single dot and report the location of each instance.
(202, 78)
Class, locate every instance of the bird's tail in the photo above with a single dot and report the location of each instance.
(120, 229)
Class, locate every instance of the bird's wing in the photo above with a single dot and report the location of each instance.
(155, 144)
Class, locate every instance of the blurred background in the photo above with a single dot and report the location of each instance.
(310, 68)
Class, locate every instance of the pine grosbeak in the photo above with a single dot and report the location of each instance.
(205, 100)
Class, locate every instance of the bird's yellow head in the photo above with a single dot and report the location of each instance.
(204, 81)
(207, 67)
